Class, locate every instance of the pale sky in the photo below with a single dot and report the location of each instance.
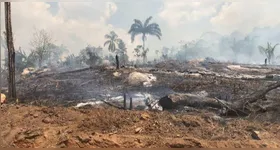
(76, 24)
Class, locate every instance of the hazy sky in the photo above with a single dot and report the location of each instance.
(76, 24)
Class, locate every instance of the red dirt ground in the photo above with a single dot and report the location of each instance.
(42, 127)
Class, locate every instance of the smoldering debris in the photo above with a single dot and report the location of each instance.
(222, 83)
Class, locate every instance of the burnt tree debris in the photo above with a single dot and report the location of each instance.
(225, 92)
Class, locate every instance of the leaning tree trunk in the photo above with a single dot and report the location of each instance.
(11, 52)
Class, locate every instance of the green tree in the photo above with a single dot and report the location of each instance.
(268, 51)
(122, 52)
(145, 29)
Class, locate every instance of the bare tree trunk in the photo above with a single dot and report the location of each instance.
(143, 48)
(11, 52)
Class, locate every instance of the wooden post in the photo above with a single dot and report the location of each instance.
(124, 101)
(0, 55)
(130, 103)
(11, 51)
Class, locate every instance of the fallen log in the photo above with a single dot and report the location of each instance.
(172, 101)
(241, 107)
(66, 72)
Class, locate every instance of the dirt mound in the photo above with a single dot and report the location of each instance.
(42, 127)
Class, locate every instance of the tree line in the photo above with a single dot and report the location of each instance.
(45, 52)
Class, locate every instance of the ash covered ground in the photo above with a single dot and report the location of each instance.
(47, 114)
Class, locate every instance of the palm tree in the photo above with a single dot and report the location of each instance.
(112, 40)
(268, 52)
(145, 29)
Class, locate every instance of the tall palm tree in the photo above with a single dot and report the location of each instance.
(268, 51)
(145, 29)
(112, 41)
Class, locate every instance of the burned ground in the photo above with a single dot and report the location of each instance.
(41, 120)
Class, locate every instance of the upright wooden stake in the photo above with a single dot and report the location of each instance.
(124, 101)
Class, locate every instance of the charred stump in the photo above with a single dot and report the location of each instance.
(117, 62)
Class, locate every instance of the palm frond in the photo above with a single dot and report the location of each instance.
(153, 25)
(113, 35)
(274, 46)
(138, 22)
(133, 34)
(262, 50)
(107, 36)
(268, 45)
(155, 33)
(107, 42)
(147, 21)
(134, 27)
(153, 29)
